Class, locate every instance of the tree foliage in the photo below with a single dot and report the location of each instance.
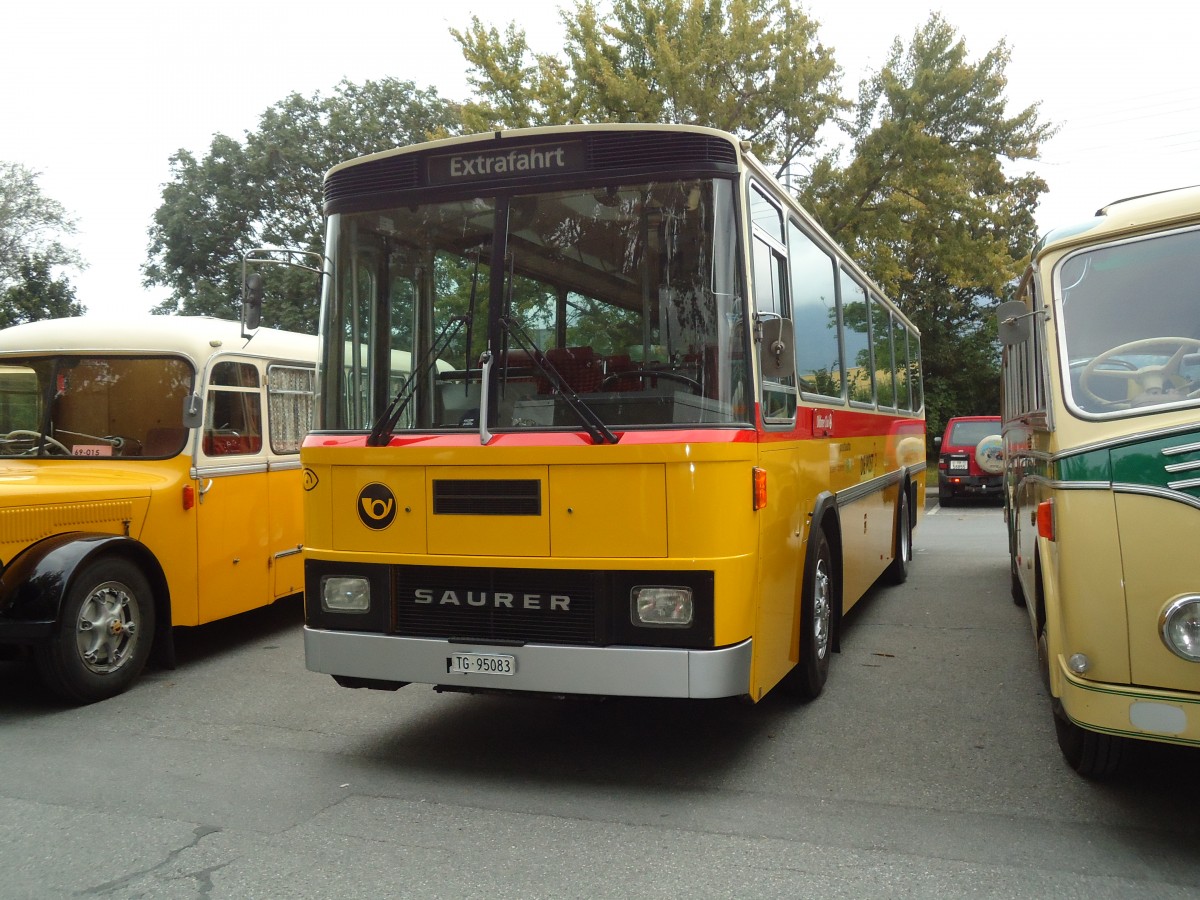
(267, 191)
(751, 67)
(32, 229)
(928, 205)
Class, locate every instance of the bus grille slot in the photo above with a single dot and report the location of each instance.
(487, 497)
(620, 149)
(524, 605)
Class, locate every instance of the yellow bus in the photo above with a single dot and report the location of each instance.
(660, 435)
(149, 478)
(1101, 408)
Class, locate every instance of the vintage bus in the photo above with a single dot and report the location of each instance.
(1101, 407)
(149, 478)
(660, 434)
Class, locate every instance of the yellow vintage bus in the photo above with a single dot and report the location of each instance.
(1101, 407)
(661, 432)
(149, 478)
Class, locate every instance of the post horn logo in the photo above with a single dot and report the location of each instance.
(376, 506)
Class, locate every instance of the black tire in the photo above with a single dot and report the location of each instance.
(1018, 593)
(897, 571)
(85, 663)
(1092, 754)
(816, 623)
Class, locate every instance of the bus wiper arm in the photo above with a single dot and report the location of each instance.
(381, 432)
(591, 422)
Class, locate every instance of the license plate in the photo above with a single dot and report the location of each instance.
(959, 464)
(481, 664)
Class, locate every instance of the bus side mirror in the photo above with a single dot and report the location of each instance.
(193, 411)
(1013, 323)
(777, 354)
(252, 300)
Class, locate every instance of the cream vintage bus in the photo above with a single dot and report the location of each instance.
(149, 478)
(1101, 370)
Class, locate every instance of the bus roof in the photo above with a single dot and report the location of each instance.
(197, 337)
(1133, 215)
(550, 130)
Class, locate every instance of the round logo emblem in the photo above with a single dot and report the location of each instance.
(376, 505)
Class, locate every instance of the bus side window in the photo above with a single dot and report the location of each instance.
(233, 421)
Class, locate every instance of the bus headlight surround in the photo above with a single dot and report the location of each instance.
(661, 606)
(1179, 626)
(345, 593)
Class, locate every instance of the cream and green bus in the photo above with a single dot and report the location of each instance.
(1101, 404)
(149, 478)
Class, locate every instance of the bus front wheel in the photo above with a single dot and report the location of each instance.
(105, 631)
(816, 623)
(1090, 753)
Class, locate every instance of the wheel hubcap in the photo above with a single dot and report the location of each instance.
(821, 610)
(107, 628)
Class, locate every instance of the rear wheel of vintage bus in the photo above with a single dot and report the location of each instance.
(107, 625)
(897, 570)
(816, 621)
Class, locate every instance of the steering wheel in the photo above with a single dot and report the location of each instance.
(645, 374)
(34, 436)
(1149, 379)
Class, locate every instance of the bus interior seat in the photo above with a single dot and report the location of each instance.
(579, 367)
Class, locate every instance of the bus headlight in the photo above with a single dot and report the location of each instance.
(1179, 625)
(662, 607)
(344, 593)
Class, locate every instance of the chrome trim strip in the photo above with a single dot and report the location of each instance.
(1160, 493)
(299, 548)
(1181, 466)
(253, 468)
(1182, 448)
(867, 488)
(1135, 437)
(1184, 485)
(541, 668)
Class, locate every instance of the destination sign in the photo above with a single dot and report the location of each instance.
(485, 163)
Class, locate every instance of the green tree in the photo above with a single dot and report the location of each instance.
(751, 67)
(36, 294)
(267, 191)
(927, 203)
(32, 228)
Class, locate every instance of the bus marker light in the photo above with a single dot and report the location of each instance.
(189, 497)
(662, 607)
(760, 487)
(1179, 626)
(1045, 519)
(1079, 663)
(345, 594)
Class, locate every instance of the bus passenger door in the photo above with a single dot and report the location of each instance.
(233, 564)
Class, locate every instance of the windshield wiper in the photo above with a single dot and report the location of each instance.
(381, 432)
(591, 422)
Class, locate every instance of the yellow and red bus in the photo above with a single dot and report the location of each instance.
(1101, 407)
(149, 478)
(660, 434)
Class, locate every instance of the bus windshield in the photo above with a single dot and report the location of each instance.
(1129, 325)
(615, 302)
(92, 406)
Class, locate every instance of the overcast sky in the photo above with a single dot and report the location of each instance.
(96, 96)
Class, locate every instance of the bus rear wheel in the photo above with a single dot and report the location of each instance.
(817, 599)
(897, 571)
(106, 627)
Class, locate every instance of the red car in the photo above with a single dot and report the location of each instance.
(970, 459)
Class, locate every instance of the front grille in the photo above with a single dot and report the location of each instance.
(462, 604)
(487, 497)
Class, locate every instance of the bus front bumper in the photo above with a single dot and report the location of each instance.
(1133, 712)
(539, 668)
